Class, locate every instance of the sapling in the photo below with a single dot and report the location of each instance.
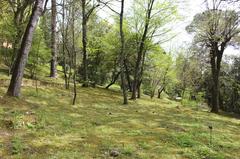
(210, 134)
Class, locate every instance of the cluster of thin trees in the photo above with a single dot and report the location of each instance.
(214, 29)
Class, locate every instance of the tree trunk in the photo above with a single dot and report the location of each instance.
(53, 69)
(114, 79)
(160, 91)
(137, 71)
(216, 58)
(215, 95)
(128, 76)
(63, 47)
(141, 74)
(22, 56)
(122, 56)
(84, 43)
(74, 57)
(139, 89)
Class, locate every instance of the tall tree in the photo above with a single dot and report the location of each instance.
(87, 10)
(22, 56)
(122, 55)
(215, 29)
(53, 68)
(140, 52)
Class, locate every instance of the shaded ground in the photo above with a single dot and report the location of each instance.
(45, 125)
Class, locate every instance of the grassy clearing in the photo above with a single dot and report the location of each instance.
(45, 125)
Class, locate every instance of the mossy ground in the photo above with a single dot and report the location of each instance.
(46, 125)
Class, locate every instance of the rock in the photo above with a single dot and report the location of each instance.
(178, 98)
(29, 113)
(114, 153)
(8, 124)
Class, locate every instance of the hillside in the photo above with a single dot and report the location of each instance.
(46, 125)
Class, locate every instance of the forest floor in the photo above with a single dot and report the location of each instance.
(45, 125)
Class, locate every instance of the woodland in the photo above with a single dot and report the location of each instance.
(112, 79)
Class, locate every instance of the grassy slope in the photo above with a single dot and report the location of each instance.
(46, 125)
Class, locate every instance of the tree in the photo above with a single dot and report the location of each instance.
(22, 56)
(87, 10)
(53, 68)
(122, 55)
(122, 50)
(149, 22)
(215, 29)
(14, 15)
(141, 48)
(160, 69)
(39, 54)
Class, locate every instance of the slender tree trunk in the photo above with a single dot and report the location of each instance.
(53, 69)
(74, 58)
(122, 55)
(114, 79)
(84, 43)
(22, 56)
(139, 89)
(141, 50)
(162, 88)
(63, 46)
(141, 74)
(128, 76)
(136, 77)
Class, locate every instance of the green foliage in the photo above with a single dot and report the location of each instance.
(17, 146)
(128, 151)
(39, 54)
(185, 140)
(161, 72)
(219, 20)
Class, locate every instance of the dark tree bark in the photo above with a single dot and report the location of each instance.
(137, 72)
(160, 90)
(74, 57)
(53, 69)
(128, 76)
(84, 43)
(216, 58)
(22, 57)
(141, 74)
(114, 79)
(63, 46)
(86, 13)
(122, 56)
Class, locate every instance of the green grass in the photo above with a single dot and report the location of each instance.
(45, 125)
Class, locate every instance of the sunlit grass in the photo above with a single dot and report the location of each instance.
(46, 125)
